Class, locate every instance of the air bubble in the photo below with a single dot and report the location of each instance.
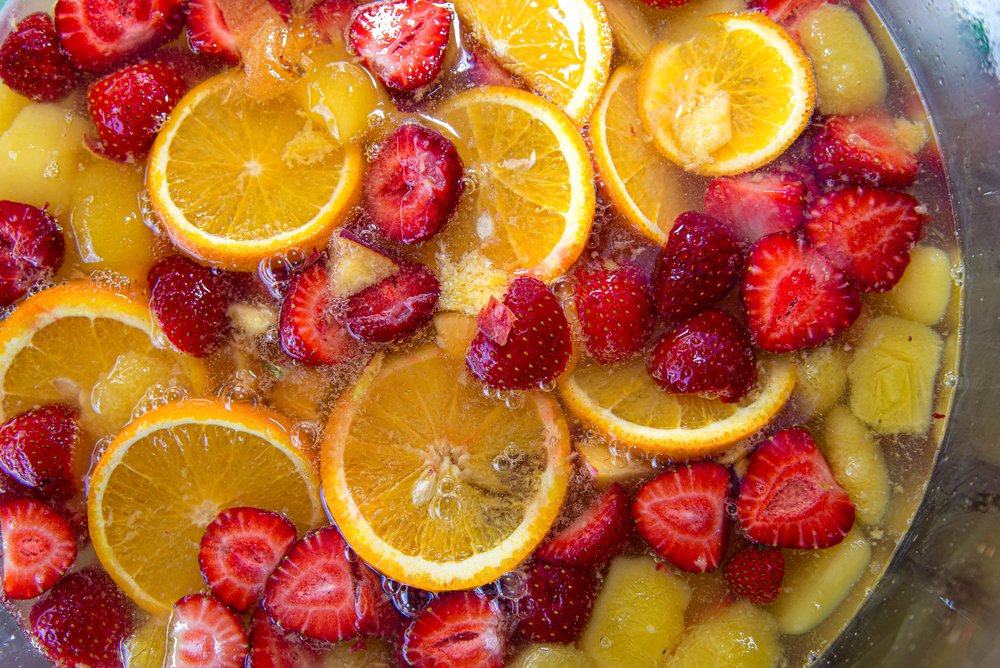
(511, 585)
(446, 508)
(501, 464)
(148, 213)
(514, 401)
(305, 434)
(470, 182)
(51, 170)
(950, 379)
(635, 457)
(111, 279)
(513, 454)
(95, 456)
(446, 485)
(411, 601)
(239, 391)
(489, 591)
(276, 271)
(605, 642)
(732, 509)
(547, 385)
(562, 288)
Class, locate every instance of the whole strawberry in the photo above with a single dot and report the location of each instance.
(615, 310)
(31, 62)
(37, 448)
(558, 602)
(32, 248)
(758, 203)
(864, 150)
(756, 572)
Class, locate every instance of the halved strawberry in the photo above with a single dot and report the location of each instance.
(240, 550)
(495, 321)
(204, 632)
(457, 630)
(794, 298)
(682, 515)
(595, 537)
(32, 248)
(558, 602)
(332, 17)
(864, 150)
(377, 614)
(38, 547)
(32, 63)
(756, 572)
(757, 203)
(310, 329)
(789, 497)
(867, 233)
(781, 10)
(271, 647)
(295, 600)
(37, 447)
(396, 308)
(615, 310)
(207, 32)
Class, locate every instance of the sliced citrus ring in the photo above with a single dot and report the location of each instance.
(649, 190)
(435, 484)
(625, 404)
(235, 180)
(562, 48)
(728, 100)
(167, 475)
(532, 203)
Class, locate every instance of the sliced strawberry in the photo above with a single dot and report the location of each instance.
(413, 184)
(477, 67)
(864, 150)
(37, 447)
(495, 321)
(83, 621)
(794, 298)
(332, 17)
(99, 35)
(38, 547)
(312, 592)
(682, 515)
(31, 62)
(402, 41)
(310, 330)
(781, 10)
(204, 632)
(709, 353)
(377, 614)
(396, 308)
(538, 345)
(12, 489)
(758, 203)
(190, 302)
(867, 233)
(666, 4)
(700, 262)
(207, 32)
(756, 572)
(457, 630)
(789, 497)
(615, 310)
(32, 249)
(595, 537)
(240, 550)
(271, 647)
(558, 602)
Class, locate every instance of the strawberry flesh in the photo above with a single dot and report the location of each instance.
(32, 248)
(204, 632)
(558, 602)
(594, 538)
(310, 329)
(495, 321)
(755, 572)
(332, 17)
(615, 311)
(38, 547)
(377, 614)
(682, 515)
(863, 150)
(31, 62)
(457, 630)
(207, 32)
(396, 308)
(789, 497)
(37, 448)
(757, 204)
(271, 647)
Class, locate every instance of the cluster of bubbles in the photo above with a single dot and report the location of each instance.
(511, 398)
(508, 459)
(111, 279)
(306, 434)
(158, 395)
(276, 271)
(149, 216)
(240, 389)
(507, 596)
(958, 275)
(410, 601)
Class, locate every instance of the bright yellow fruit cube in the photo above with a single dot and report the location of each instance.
(743, 636)
(858, 464)
(10, 105)
(924, 290)
(551, 655)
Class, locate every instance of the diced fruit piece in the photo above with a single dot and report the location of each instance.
(794, 298)
(459, 629)
(204, 632)
(342, 97)
(32, 249)
(11, 104)
(817, 581)
(820, 380)
(332, 18)
(756, 204)
(32, 63)
(274, 57)
(396, 308)
(455, 332)
(635, 33)
(756, 572)
(551, 655)
(38, 547)
(682, 515)
(638, 616)
(310, 330)
(240, 550)
(495, 321)
(707, 354)
(377, 614)
(892, 375)
(789, 497)
(147, 646)
(924, 290)
(402, 41)
(614, 309)
(781, 11)
(207, 32)
(863, 150)
(683, 23)
(595, 537)
(850, 76)
(413, 184)
(38, 448)
(607, 467)
(271, 647)
(558, 602)
(857, 463)
(354, 267)
(743, 636)
(63, 625)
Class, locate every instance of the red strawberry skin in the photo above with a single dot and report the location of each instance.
(615, 311)
(789, 498)
(558, 600)
(595, 537)
(457, 630)
(757, 204)
(863, 150)
(204, 632)
(396, 308)
(332, 18)
(31, 62)
(310, 330)
(709, 353)
(377, 614)
(867, 233)
(207, 32)
(32, 248)
(38, 447)
(755, 572)
(38, 547)
(682, 515)
(270, 647)
(793, 297)
(538, 345)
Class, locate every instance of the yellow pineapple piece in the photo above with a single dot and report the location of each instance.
(10, 104)
(146, 647)
(634, 31)
(924, 290)
(638, 616)
(302, 393)
(252, 320)
(820, 380)
(858, 464)
(273, 56)
(354, 267)
(743, 636)
(607, 468)
(455, 332)
(682, 23)
(551, 655)
(372, 653)
(114, 396)
(342, 97)
(467, 285)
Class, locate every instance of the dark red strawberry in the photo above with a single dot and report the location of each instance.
(12, 489)
(867, 233)
(204, 632)
(37, 448)
(402, 41)
(128, 107)
(666, 4)
(794, 298)
(789, 497)
(781, 10)
(495, 321)
(557, 602)
(864, 150)
(758, 203)
(682, 515)
(478, 67)
(756, 572)
(615, 310)
(377, 615)
(99, 35)
(538, 345)
(83, 621)
(240, 550)
(457, 630)
(31, 62)
(207, 32)
(700, 262)
(32, 249)
(396, 308)
(595, 537)
(310, 330)
(190, 303)
(38, 547)
(413, 184)
(298, 603)
(332, 17)
(709, 353)
(271, 647)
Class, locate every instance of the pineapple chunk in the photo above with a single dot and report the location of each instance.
(11, 104)
(372, 653)
(455, 332)
(924, 290)
(551, 655)
(637, 617)
(680, 24)
(743, 636)
(146, 647)
(817, 581)
(892, 375)
(634, 33)
(857, 463)
(115, 395)
(605, 469)
(252, 319)
(820, 381)
(342, 97)
(354, 267)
